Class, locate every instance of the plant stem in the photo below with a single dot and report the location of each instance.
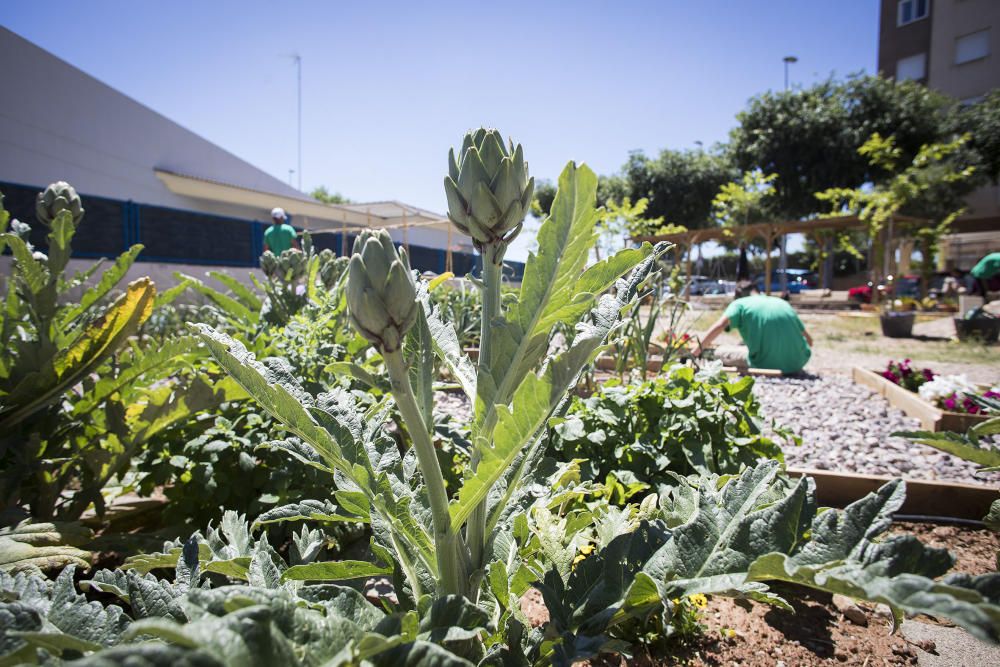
(492, 273)
(446, 543)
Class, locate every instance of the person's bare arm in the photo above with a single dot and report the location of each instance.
(295, 243)
(710, 335)
(809, 339)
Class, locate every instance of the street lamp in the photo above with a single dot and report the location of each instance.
(783, 259)
(788, 60)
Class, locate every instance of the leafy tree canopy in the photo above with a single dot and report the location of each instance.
(324, 195)
(679, 185)
(810, 138)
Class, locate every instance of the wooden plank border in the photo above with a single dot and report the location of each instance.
(931, 417)
(924, 497)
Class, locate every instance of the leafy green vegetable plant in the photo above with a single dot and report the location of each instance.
(516, 388)
(689, 422)
(75, 402)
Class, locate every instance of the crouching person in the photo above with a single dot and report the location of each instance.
(773, 335)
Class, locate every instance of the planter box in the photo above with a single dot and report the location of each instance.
(931, 417)
(923, 497)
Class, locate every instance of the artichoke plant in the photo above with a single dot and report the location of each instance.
(488, 188)
(58, 197)
(381, 292)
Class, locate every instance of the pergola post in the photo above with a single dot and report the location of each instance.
(768, 245)
(447, 256)
(687, 270)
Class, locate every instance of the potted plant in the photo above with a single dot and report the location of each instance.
(978, 324)
(897, 318)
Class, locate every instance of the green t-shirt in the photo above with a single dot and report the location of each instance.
(772, 332)
(987, 267)
(279, 238)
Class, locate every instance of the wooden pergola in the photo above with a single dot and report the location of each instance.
(817, 229)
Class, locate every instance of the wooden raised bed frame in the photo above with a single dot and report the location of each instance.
(931, 417)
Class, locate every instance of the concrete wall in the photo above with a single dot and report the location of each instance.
(162, 275)
(954, 19)
(898, 42)
(59, 123)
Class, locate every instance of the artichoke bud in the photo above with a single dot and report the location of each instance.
(58, 197)
(381, 292)
(488, 188)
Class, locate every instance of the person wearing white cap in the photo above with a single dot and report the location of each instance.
(280, 236)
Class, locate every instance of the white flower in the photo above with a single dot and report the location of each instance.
(943, 386)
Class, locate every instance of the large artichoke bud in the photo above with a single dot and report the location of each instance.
(381, 293)
(489, 191)
(58, 197)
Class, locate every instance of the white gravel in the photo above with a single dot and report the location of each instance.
(845, 427)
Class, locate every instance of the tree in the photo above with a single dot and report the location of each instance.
(620, 221)
(742, 202)
(679, 185)
(541, 203)
(327, 197)
(982, 122)
(933, 184)
(810, 138)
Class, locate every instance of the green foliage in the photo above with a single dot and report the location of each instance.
(679, 185)
(810, 137)
(75, 394)
(742, 202)
(730, 536)
(981, 121)
(687, 423)
(932, 184)
(321, 193)
(974, 445)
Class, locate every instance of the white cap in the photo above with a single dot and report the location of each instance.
(278, 212)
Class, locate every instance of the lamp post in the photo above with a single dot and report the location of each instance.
(783, 259)
(788, 60)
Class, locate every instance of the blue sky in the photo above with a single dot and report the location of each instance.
(389, 86)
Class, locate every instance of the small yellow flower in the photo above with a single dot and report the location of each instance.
(698, 600)
(585, 551)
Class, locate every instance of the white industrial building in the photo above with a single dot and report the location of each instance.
(146, 179)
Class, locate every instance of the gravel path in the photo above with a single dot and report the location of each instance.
(845, 427)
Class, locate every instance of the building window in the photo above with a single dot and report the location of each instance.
(973, 46)
(909, 11)
(913, 68)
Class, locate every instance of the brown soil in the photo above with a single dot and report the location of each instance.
(975, 551)
(816, 633)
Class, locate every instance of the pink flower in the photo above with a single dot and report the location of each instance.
(950, 403)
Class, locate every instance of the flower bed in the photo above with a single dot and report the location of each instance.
(939, 402)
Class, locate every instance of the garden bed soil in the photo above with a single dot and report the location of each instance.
(820, 631)
(932, 418)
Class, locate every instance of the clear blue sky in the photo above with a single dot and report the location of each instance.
(389, 86)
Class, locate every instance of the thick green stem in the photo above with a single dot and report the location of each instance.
(492, 273)
(447, 546)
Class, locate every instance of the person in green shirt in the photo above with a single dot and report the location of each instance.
(985, 270)
(772, 332)
(280, 236)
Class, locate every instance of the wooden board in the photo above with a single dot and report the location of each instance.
(923, 497)
(931, 417)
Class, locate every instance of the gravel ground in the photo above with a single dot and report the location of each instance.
(845, 427)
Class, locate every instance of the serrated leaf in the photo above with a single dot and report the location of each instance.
(111, 277)
(16, 556)
(334, 571)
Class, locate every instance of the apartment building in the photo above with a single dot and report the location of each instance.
(952, 46)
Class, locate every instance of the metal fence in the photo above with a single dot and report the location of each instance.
(171, 235)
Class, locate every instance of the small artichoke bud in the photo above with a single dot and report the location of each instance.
(488, 188)
(381, 293)
(58, 197)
